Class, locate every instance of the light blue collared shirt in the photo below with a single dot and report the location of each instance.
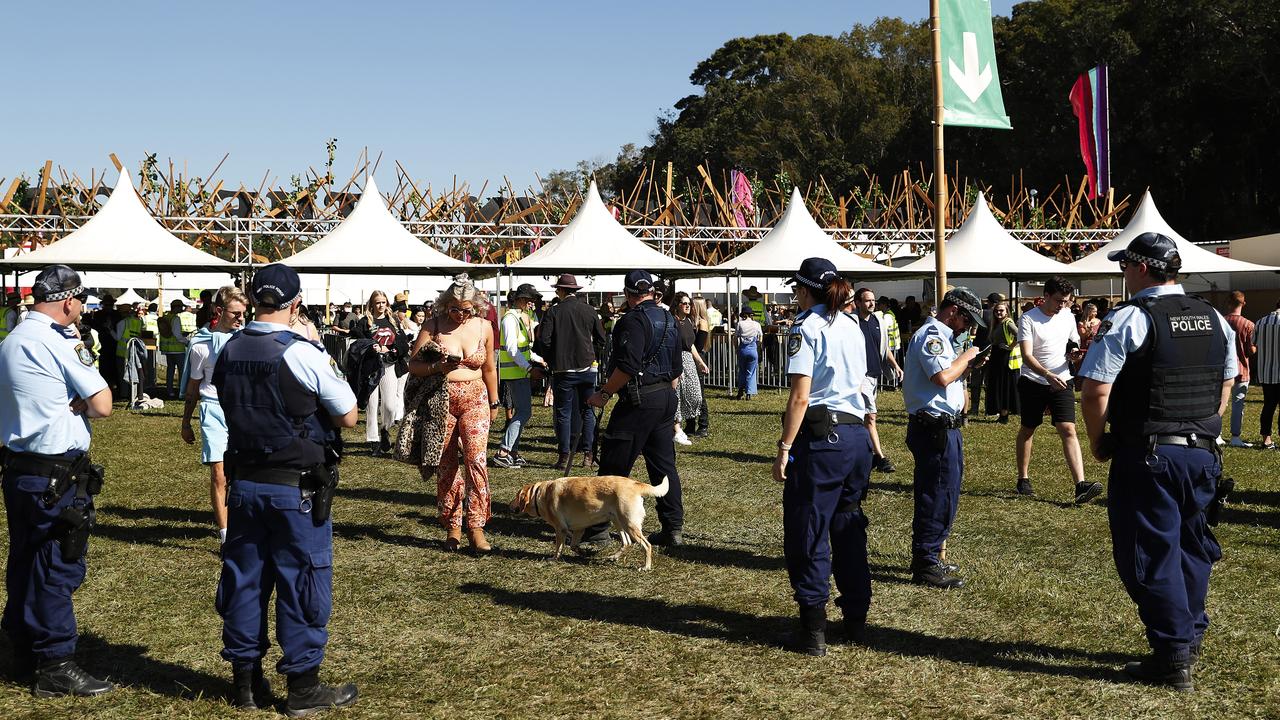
(1125, 330)
(43, 367)
(834, 355)
(309, 363)
(929, 353)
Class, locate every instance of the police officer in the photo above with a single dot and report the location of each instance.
(933, 392)
(1160, 371)
(643, 367)
(824, 457)
(48, 391)
(281, 400)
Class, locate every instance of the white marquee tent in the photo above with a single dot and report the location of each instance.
(982, 248)
(796, 236)
(594, 242)
(370, 240)
(1195, 260)
(122, 235)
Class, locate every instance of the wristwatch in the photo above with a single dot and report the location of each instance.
(605, 394)
(494, 405)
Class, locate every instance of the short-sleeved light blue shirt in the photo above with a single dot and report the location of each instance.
(929, 353)
(833, 355)
(1125, 329)
(309, 363)
(43, 368)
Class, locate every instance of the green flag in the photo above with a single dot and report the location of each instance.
(970, 83)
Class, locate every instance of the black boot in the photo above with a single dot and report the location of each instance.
(667, 538)
(64, 677)
(307, 696)
(375, 449)
(1162, 670)
(251, 689)
(384, 440)
(935, 576)
(811, 637)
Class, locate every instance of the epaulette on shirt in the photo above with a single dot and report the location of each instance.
(64, 331)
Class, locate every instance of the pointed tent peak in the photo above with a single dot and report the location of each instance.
(593, 193)
(370, 187)
(125, 178)
(796, 197)
(981, 210)
(1147, 218)
(370, 193)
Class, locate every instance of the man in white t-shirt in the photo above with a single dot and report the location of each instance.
(1044, 383)
(230, 305)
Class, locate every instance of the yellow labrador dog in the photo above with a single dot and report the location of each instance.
(573, 504)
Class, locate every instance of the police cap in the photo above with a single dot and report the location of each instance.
(816, 273)
(56, 282)
(1156, 250)
(275, 286)
(963, 298)
(638, 282)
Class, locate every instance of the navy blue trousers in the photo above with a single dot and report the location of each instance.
(1161, 543)
(645, 428)
(820, 536)
(938, 472)
(575, 420)
(38, 615)
(273, 543)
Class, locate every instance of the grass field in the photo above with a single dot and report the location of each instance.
(1040, 631)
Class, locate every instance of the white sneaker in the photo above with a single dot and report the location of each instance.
(1220, 441)
(682, 439)
(1237, 442)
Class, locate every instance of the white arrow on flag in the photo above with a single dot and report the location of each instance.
(971, 82)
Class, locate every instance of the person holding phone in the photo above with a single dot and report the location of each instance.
(1049, 341)
(466, 339)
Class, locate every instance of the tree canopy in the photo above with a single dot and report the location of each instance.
(1193, 97)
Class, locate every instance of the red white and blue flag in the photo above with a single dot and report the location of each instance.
(1090, 101)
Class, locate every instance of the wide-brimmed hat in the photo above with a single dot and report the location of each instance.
(567, 282)
(751, 292)
(526, 291)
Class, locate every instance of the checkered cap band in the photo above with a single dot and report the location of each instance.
(1138, 257)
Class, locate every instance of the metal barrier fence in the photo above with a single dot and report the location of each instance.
(771, 373)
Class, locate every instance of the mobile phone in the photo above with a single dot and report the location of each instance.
(453, 358)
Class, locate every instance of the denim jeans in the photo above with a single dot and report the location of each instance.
(1238, 393)
(575, 420)
(521, 393)
(748, 368)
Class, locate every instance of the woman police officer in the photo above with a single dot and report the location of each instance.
(824, 458)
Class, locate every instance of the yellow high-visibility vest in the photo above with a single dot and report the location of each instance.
(507, 367)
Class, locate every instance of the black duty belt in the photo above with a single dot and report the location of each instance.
(270, 476)
(1195, 441)
(950, 422)
(844, 418)
(38, 465)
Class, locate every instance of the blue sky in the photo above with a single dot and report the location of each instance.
(476, 90)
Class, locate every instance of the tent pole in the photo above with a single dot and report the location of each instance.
(159, 291)
(939, 166)
(328, 284)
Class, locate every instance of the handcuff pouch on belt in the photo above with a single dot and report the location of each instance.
(76, 521)
(821, 421)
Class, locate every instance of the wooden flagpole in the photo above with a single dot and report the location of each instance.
(939, 168)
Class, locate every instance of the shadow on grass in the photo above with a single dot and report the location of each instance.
(906, 487)
(177, 525)
(704, 621)
(129, 665)
(162, 513)
(1240, 516)
(1255, 497)
(354, 531)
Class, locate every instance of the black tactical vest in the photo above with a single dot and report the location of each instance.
(272, 421)
(1173, 384)
(661, 359)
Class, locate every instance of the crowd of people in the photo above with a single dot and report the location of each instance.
(1154, 376)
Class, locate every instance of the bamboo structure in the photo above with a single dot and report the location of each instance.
(683, 210)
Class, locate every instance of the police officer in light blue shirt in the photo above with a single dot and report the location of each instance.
(283, 405)
(1159, 373)
(934, 396)
(824, 457)
(48, 391)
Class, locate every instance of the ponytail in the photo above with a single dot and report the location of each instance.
(838, 294)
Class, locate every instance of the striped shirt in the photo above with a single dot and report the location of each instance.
(1266, 336)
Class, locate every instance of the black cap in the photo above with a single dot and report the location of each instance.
(525, 291)
(1158, 251)
(56, 282)
(816, 273)
(963, 298)
(275, 286)
(638, 282)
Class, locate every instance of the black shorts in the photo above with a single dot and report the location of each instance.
(1035, 397)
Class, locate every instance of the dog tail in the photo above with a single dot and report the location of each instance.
(656, 490)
